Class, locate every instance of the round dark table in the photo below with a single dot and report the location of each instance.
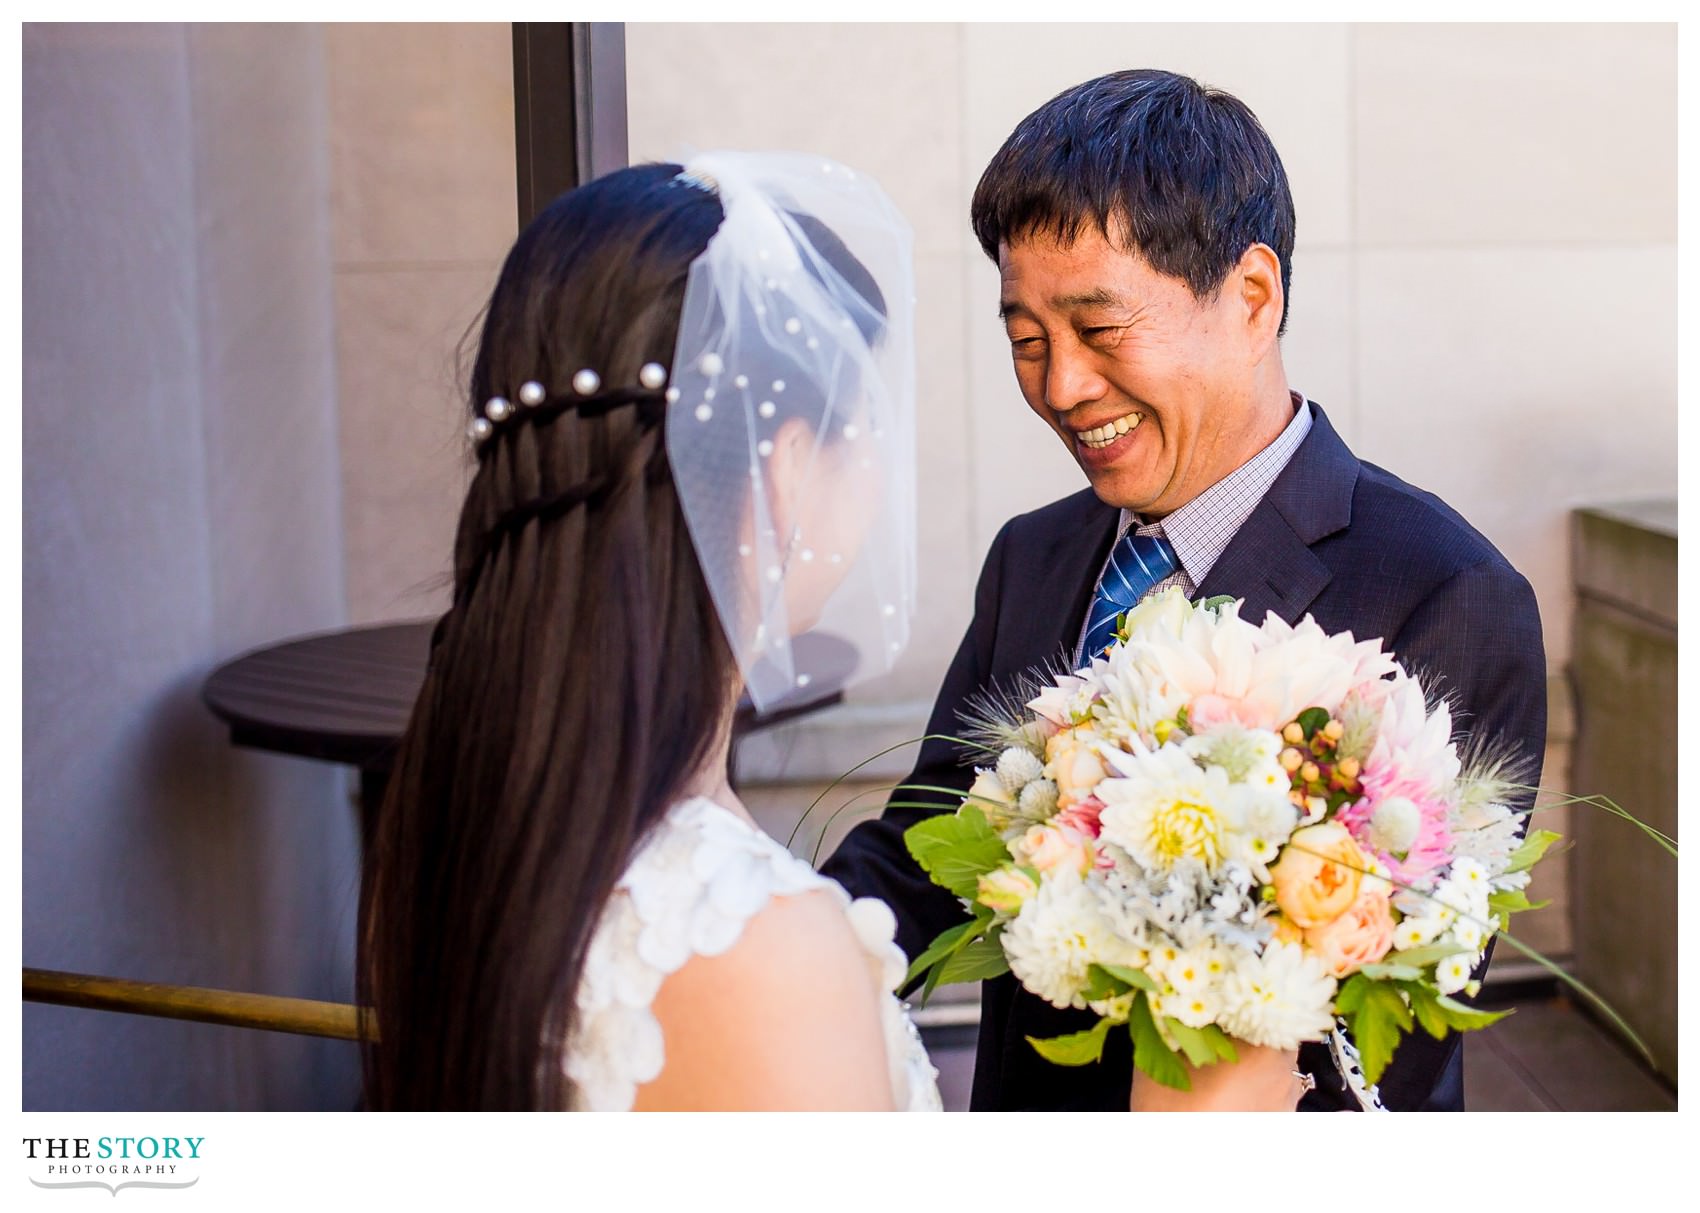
(346, 696)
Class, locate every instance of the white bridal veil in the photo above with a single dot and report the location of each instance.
(790, 417)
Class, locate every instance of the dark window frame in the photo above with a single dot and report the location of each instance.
(569, 107)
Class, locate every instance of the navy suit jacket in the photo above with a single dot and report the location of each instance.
(1336, 538)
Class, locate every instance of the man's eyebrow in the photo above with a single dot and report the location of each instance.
(1097, 297)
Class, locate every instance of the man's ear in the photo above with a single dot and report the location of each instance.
(1262, 300)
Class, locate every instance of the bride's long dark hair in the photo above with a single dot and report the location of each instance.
(579, 681)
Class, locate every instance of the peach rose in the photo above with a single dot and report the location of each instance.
(1055, 848)
(1360, 936)
(1318, 875)
(1074, 767)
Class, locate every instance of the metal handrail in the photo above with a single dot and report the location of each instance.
(266, 1012)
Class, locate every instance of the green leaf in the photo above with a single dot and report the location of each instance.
(956, 849)
(1426, 1008)
(1466, 1018)
(1136, 978)
(946, 944)
(1217, 603)
(1182, 721)
(1199, 1049)
(1507, 902)
(1221, 1042)
(1391, 972)
(1102, 984)
(1312, 719)
(1422, 958)
(977, 961)
(1151, 1053)
(1377, 1024)
(1534, 846)
(1352, 993)
(1075, 1049)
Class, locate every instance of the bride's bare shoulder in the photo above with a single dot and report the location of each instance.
(787, 1017)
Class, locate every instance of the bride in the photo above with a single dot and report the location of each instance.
(692, 414)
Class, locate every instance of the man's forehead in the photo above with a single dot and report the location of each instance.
(1081, 273)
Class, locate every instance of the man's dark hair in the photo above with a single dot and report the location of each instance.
(1188, 170)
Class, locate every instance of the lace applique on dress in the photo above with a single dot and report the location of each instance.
(700, 876)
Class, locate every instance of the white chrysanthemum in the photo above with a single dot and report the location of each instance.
(1266, 818)
(1279, 999)
(1167, 809)
(1189, 971)
(1057, 934)
(1453, 973)
(1017, 768)
(1193, 1008)
(1469, 875)
(1134, 695)
(1463, 894)
(1416, 931)
(1467, 933)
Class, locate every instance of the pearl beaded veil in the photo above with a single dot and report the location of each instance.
(791, 413)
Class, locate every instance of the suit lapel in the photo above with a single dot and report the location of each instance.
(1269, 566)
(1269, 561)
(1071, 564)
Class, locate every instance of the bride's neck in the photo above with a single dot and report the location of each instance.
(712, 777)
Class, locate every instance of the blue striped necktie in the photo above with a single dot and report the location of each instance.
(1137, 563)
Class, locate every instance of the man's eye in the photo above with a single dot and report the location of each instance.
(1026, 345)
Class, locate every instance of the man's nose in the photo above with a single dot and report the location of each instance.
(1071, 379)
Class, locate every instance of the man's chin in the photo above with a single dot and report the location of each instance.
(1121, 491)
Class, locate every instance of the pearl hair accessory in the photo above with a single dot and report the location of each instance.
(588, 400)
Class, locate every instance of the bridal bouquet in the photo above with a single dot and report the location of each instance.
(1221, 831)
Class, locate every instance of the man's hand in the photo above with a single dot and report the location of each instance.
(1262, 1080)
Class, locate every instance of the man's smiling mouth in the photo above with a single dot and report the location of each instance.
(1101, 437)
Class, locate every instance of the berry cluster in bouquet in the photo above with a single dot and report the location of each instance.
(1221, 831)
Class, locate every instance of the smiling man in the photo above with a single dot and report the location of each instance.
(1143, 231)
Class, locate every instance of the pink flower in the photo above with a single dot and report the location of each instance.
(1208, 711)
(1082, 817)
(1431, 848)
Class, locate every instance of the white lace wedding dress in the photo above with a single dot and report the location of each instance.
(700, 876)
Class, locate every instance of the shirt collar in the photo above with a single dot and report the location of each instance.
(1201, 529)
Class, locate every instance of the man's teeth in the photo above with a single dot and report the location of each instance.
(1109, 431)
